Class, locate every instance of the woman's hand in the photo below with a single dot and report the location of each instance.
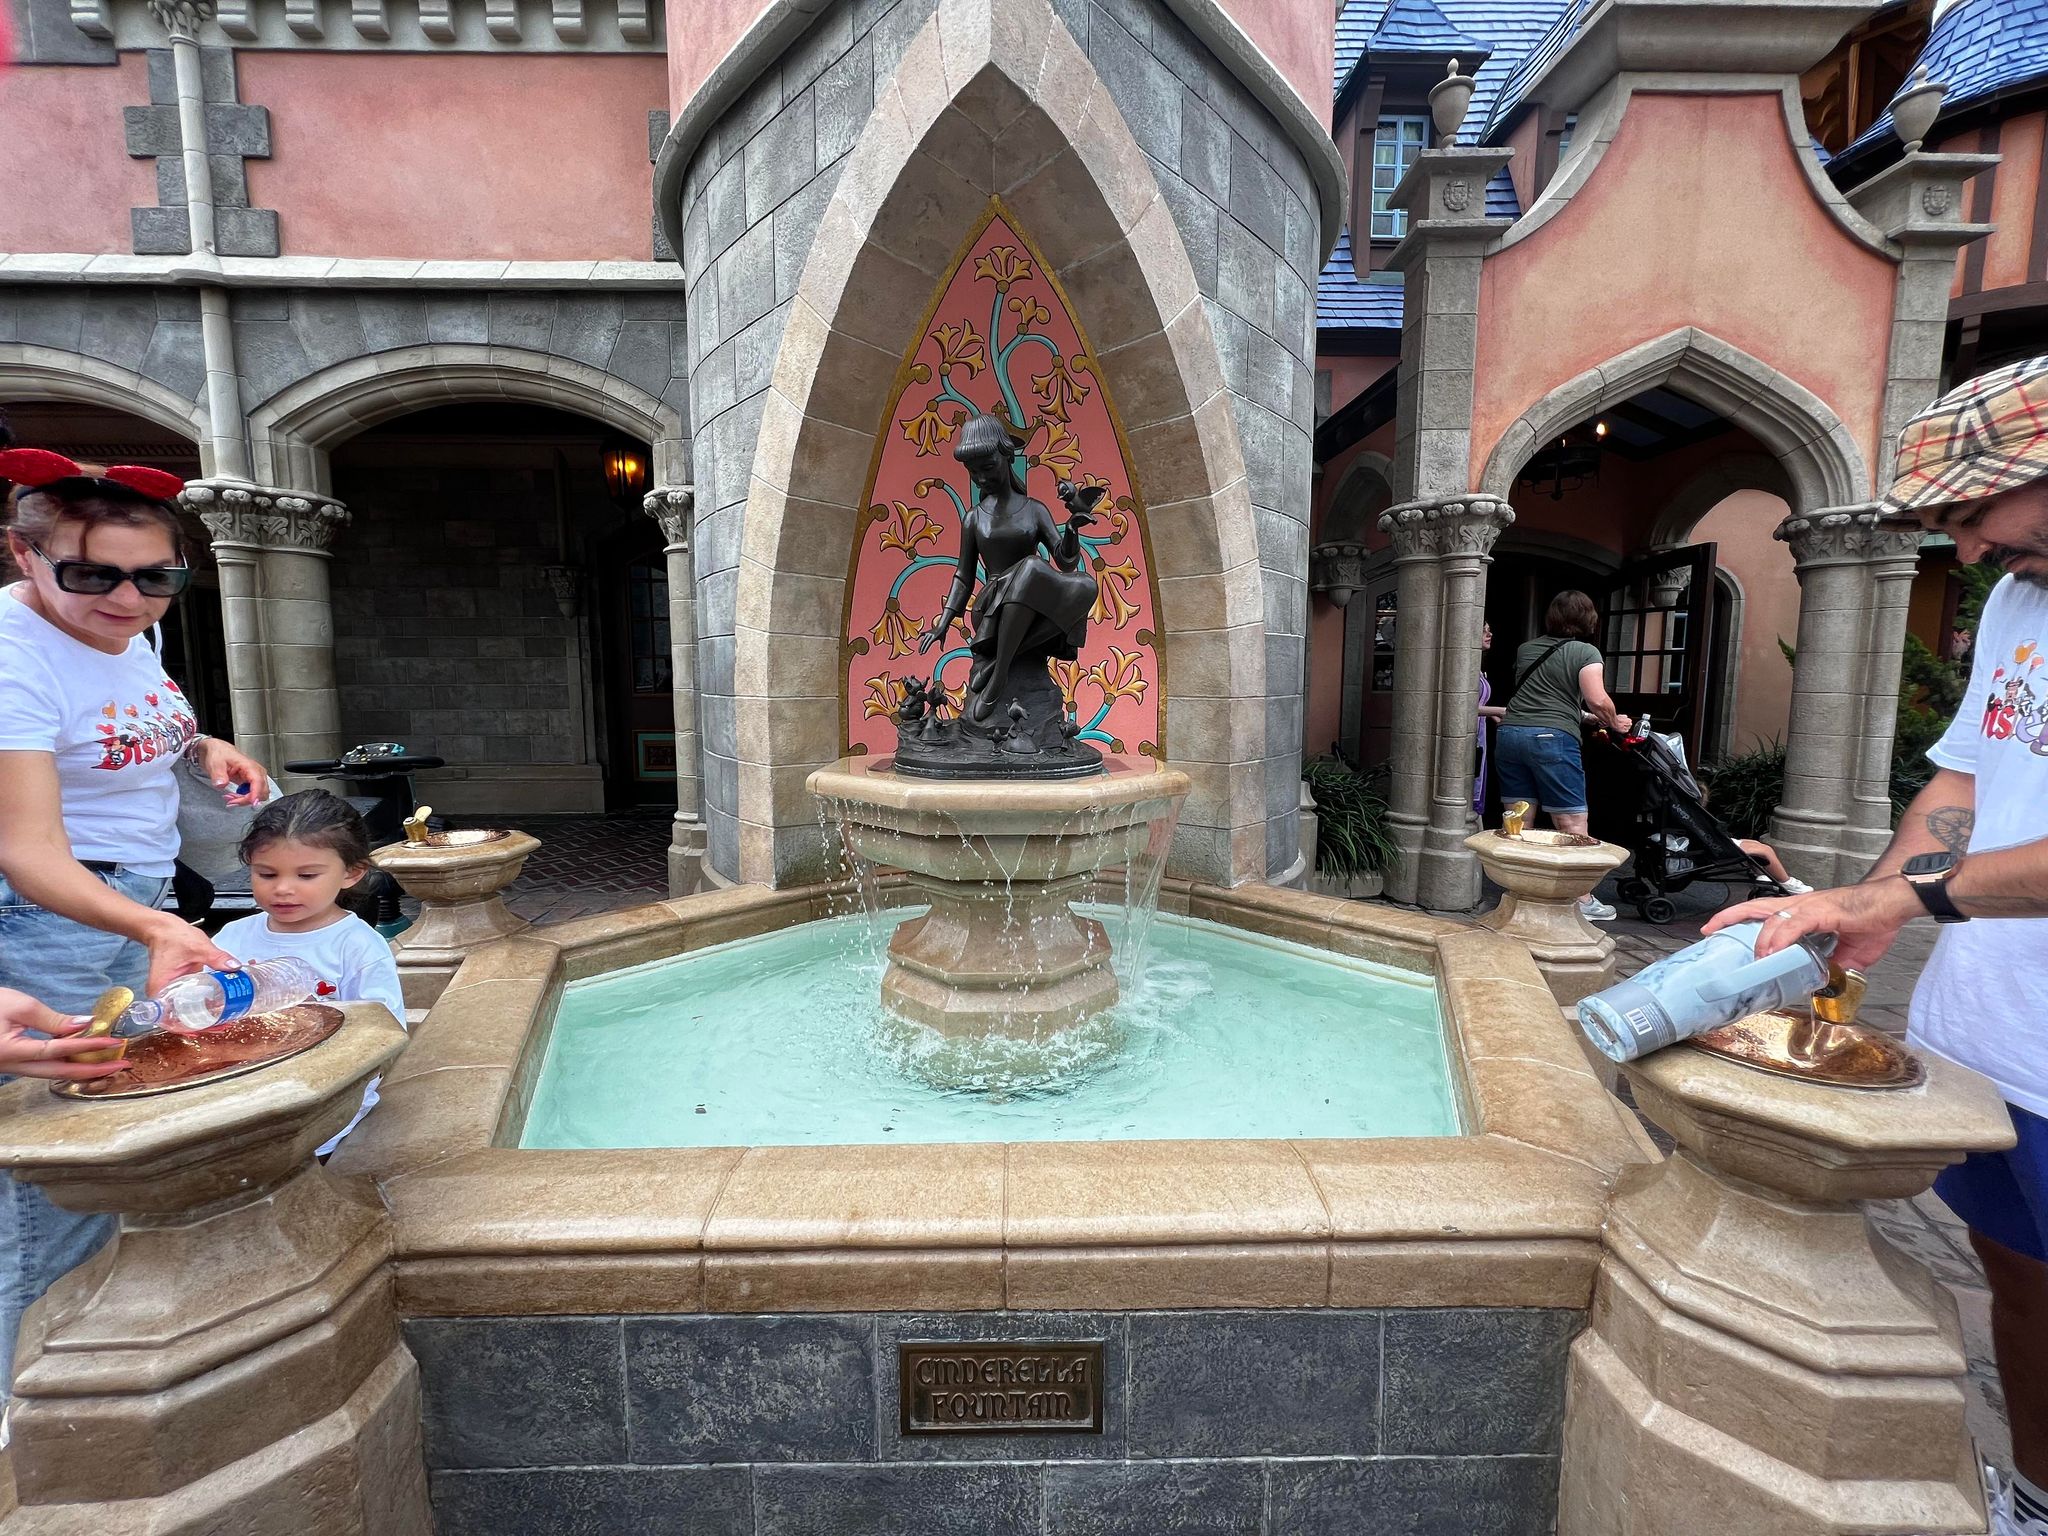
(177, 949)
(934, 635)
(25, 1056)
(1865, 919)
(228, 767)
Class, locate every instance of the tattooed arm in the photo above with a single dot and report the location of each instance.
(1938, 821)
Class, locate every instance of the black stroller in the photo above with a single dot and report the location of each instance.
(1676, 840)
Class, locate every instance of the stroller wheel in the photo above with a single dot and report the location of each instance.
(1658, 909)
(1635, 890)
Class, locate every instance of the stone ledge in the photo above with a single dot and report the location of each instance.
(337, 272)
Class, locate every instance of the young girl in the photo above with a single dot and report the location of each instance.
(302, 852)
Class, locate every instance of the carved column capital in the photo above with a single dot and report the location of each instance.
(257, 517)
(671, 506)
(1446, 527)
(182, 18)
(1850, 535)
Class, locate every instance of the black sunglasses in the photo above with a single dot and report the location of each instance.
(88, 578)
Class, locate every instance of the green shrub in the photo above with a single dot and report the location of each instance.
(1743, 790)
(1352, 837)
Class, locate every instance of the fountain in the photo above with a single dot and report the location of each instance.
(999, 815)
(459, 879)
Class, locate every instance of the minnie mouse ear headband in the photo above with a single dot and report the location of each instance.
(38, 469)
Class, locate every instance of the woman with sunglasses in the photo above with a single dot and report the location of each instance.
(91, 733)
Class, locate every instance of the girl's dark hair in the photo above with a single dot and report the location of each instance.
(315, 818)
(1572, 615)
(34, 512)
(982, 433)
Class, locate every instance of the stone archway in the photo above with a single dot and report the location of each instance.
(50, 373)
(997, 100)
(1366, 490)
(1820, 464)
(291, 432)
(1713, 485)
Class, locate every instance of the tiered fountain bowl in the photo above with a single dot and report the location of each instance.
(1002, 951)
(459, 879)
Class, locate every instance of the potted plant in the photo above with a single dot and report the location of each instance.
(1354, 846)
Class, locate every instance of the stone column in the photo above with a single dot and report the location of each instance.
(1835, 679)
(671, 506)
(1442, 547)
(278, 615)
(1891, 548)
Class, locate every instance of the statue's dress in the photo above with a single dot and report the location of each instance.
(1057, 593)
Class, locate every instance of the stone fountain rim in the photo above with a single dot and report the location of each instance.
(401, 856)
(861, 781)
(1517, 854)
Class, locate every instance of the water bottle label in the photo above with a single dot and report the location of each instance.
(238, 991)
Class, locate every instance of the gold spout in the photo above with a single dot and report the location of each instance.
(113, 1002)
(1513, 815)
(1839, 1001)
(416, 825)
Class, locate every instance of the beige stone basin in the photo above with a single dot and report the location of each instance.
(459, 879)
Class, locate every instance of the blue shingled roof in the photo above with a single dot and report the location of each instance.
(1513, 27)
(1564, 26)
(1417, 26)
(1978, 49)
(1343, 303)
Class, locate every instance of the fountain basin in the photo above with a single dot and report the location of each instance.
(459, 879)
(1001, 950)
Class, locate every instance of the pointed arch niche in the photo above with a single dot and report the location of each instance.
(999, 338)
(995, 108)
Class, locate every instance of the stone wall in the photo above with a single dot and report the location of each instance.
(149, 333)
(1300, 1423)
(1241, 198)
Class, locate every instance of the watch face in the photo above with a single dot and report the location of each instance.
(1928, 864)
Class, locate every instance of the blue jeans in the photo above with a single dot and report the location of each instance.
(1540, 764)
(66, 965)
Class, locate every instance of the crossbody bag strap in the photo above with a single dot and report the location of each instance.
(1530, 669)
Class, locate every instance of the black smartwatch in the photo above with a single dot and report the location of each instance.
(1928, 874)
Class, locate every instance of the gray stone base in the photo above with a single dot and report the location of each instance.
(1296, 1423)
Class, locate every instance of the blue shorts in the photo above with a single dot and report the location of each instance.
(2004, 1195)
(1540, 763)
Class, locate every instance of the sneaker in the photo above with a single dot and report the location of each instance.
(1594, 910)
(1795, 887)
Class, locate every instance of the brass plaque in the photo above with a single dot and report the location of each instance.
(957, 1388)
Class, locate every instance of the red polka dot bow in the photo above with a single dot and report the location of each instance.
(39, 468)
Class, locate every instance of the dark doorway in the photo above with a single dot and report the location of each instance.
(632, 584)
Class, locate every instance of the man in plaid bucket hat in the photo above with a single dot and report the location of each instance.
(1972, 853)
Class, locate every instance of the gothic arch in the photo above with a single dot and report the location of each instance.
(1369, 478)
(292, 432)
(50, 373)
(1712, 486)
(1821, 464)
(995, 100)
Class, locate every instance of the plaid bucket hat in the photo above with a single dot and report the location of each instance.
(1980, 439)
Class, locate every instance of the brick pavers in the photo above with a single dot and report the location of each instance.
(589, 864)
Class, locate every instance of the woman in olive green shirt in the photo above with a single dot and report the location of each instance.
(1563, 679)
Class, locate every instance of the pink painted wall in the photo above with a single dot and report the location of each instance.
(1741, 527)
(1349, 375)
(69, 181)
(2009, 247)
(1296, 35)
(1699, 214)
(532, 157)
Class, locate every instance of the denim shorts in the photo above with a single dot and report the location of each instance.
(66, 965)
(2004, 1195)
(1540, 763)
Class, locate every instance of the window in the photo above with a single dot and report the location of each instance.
(1395, 144)
(647, 592)
(1564, 137)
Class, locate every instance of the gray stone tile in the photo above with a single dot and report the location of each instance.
(759, 1389)
(1150, 104)
(1244, 274)
(754, 351)
(796, 228)
(894, 29)
(1204, 148)
(1252, 1384)
(596, 1501)
(458, 317)
(247, 305)
(843, 98)
(1415, 1496)
(269, 356)
(246, 231)
(159, 231)
(725, 205)
(238, 130)
(1169, 1498)
(519, 1392)
(808, 56)
(47, 34)
(327, 327)
(1008, 1327)
(176, 358)
(520, 318)
(781, 158)
(1196, 219)
(1258, 198)
(51, 317)
(117, 326)
(1477, 1381)
(640, 356)
(746, 280)
(987, 1499)
(151, 130)
(391, 320)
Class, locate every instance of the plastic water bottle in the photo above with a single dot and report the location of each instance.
(1702, 987)
(206, 998)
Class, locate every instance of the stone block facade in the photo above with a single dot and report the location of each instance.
(1301, 1423)
(754, 197)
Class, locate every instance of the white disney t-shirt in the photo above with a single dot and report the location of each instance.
(116, 725)
(1983, 999)
(353, 961)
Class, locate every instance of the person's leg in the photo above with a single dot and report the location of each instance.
(2019, 1335)
(1511, 768)
(1766, 855)
(1011, 628)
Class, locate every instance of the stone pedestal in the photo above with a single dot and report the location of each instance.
(1758, 1360)
(460, 886)
(231, 1362)
(1002, 952)
(1544, 875)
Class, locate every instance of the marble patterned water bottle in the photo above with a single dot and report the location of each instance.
(1702, 987)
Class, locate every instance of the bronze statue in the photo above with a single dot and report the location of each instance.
(1029, 610)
